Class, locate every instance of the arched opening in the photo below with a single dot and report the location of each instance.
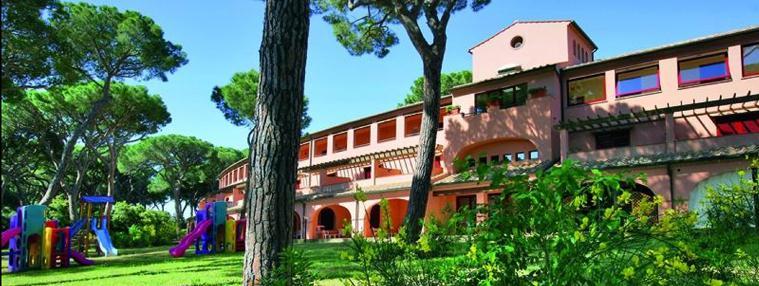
(329, 221)
(376, 219)
(374, 216)
(639, 193)
(698, 203)
(296, 225)
(34, 250)
(500, 151)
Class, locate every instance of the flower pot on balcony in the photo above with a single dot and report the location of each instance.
(538, 92)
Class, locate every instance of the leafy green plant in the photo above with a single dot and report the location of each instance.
(294, 270)
(136, 226)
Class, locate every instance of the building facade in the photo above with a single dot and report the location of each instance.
(685, 114)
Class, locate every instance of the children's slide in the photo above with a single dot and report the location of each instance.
(79, 258)
(186, 241)
(8, 234)
(75, 227)
(104, 239)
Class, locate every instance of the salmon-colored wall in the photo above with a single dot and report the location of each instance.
(539, 48)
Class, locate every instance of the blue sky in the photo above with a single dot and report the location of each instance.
(223, 37)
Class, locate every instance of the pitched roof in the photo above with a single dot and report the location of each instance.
(571, 22)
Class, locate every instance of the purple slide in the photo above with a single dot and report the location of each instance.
(179, 250)
(79, 258)
(8, 234)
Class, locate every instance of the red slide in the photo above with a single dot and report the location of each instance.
(79, 258)
(179, 250)
(8, 234)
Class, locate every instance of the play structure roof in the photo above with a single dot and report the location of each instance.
(97, 199)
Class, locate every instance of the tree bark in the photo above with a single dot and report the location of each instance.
(274, 154)
(68, 148)
(113, 156)
(421, 181)
(178, 208)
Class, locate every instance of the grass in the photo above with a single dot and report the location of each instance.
(154, 266)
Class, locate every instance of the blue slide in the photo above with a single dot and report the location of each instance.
(104, 239)
(75, 227)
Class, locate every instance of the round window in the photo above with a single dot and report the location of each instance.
(517, 42)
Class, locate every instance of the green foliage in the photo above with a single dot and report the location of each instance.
(136, 226)
(370, 33)
(28, 45)
(294, 270)
(184, 165)
(447, 81)
(102, 43)
(237, 99)
(570, 226)
(58, 210)
(731, 225)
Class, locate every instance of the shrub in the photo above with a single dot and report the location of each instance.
(136, 226)
(294, 270)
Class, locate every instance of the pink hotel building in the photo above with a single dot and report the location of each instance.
(686, 114)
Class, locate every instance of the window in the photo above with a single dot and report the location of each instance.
(412, 124)
(361, 136)
(703, 70)
(466, 201)
(534, 155)
(506, 97)
(494, 159)
(637, 81)
(517, 42)
(612, 139)
(586, 90)
(340, 142)
(751, 60)
(303, 151)
(367, 174)
(574, 45)
(483, 160)
(320, 147)
(520, 156)
(386, 131)
(471, 162)
(743, 123)
(507, 158)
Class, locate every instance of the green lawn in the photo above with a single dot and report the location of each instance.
(154, 266)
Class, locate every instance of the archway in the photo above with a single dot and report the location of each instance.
(376, 218)
(296, 225)
(499, 151)
(329, 221)
(638, 194)
(698, 203)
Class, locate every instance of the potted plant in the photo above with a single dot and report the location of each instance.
(538, 92)
(453, 109)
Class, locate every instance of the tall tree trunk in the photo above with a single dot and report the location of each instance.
(112, 156)
(421, 181)
(277, 125)
(178, 208)
(73, 193)
(68, 148)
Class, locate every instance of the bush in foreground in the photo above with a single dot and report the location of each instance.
(136, 226)
(570, 226)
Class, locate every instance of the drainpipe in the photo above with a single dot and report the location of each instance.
(304, 221)
(671, 186)
(755, 178)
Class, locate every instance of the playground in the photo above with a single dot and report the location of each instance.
(153, 266)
